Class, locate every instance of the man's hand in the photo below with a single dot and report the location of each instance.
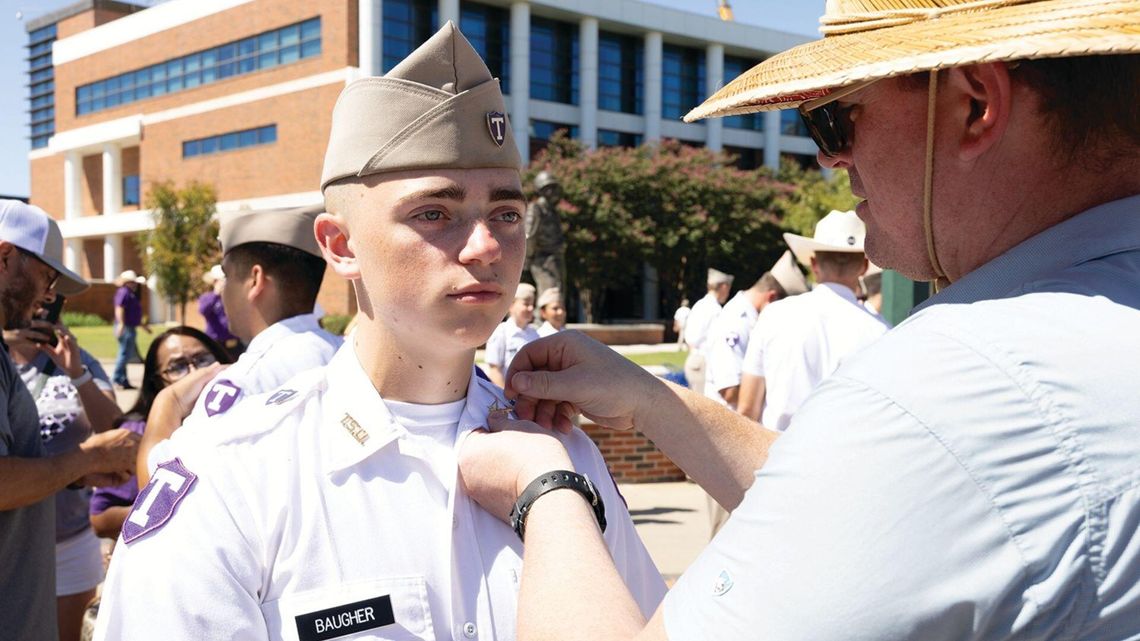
(179, 397)
(110, 457)
(66, 351)
(38, 332)
(495, 467)
(556, 377)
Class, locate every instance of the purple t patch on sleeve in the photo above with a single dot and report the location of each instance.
(155, 504)
(221, 396)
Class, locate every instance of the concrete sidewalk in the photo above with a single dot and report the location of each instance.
(672, 520)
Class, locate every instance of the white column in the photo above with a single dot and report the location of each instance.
(520, 77)
(72, 253)
(159, 310)
(448, 10)
(370, 44)
(72, 169)
(588, 80)
(714, 79)
(112, 256)
(772, 140)
(112, 179)
(653, 56)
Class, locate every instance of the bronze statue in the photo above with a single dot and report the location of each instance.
(545, 242)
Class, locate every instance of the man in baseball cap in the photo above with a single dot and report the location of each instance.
(970, 475)
(31, 273)
(331, 506)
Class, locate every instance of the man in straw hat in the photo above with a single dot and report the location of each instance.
(32, 273)
(128, 319)
(972, 474)
(331, 507)
(801, 342)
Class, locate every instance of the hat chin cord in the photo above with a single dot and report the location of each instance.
(928, 186)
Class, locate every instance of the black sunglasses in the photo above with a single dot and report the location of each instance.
(827, 122)
(54, 273)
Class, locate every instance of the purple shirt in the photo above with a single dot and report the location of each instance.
(132, 306)
(211, 308)
(108, 497)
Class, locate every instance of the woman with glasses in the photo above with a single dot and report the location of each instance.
(171, 357)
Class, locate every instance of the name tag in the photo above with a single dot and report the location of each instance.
(342, 620)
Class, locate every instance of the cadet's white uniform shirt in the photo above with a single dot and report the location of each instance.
(546, 329)
(726, 344)
(799, 341)
(699, 320)
(506, 341)
(313, 512)
(281, 351)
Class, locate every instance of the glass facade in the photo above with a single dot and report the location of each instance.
(621, 75)
(489, 30)
(791, 124)
(131, 190)
(609, 138)
(407, 25)
(229, 141)
(263, 51)
(41, 81)
(554, 61)
(733, 67)
(682, 80)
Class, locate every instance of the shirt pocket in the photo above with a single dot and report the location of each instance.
(388, 609)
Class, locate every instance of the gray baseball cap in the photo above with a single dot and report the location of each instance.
(438, 109)
(31, 229)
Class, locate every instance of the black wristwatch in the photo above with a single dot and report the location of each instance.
(561, 479)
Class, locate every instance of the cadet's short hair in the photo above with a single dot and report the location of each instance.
(299, 272)
(845, 263)
(768, 283)
(873, 283)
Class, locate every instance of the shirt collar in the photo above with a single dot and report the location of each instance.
(842, 291)
(1104, 230)
(356, 423)
(282, 328)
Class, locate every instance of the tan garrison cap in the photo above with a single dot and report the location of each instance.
(552, 295)
(290, 227)
(525, 290)
(438, 109)
(788, 275)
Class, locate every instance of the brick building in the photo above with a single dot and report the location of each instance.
(238, 93)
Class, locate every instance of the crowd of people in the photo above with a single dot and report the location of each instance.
(969, 474)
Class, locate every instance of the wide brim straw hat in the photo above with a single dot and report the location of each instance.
(867, 40)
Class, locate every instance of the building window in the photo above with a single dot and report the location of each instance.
(733, 67)
(621, 82)
(541, 131)
(131, 190)
(791, 124)
(489, 30)
(608, 138)
(255, 53)
(554, 61)
(682, 80)
(746, 157)
(41, 80)
(407, 25)
(229, 141)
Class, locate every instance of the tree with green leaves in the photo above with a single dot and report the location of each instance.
(678, 208)
(812, 196)
(183, 244)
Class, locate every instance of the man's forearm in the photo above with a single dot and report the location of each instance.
(99, 406)
(570, 588)
(719, 448)
(30, 480)
(165, 418)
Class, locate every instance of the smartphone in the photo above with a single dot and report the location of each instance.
(50, 313)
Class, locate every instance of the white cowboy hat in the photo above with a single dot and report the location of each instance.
(214, 275)
(839, 231)
(867, 40)
(129, 276)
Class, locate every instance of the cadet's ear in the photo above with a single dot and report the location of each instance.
(332, 236)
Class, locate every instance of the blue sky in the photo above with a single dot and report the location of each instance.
(797, 16)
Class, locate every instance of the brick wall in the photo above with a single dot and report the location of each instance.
(631, 456)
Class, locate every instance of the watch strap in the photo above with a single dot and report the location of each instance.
(82, 378)
(557, 480)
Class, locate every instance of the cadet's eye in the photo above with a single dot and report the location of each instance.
(510, 216)
(433, 215)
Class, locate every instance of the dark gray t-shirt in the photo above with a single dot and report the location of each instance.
(27, 534)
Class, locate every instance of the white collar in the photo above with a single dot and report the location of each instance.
(282, 328)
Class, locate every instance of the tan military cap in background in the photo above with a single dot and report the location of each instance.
(291, 227)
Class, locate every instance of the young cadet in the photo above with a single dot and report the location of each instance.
(273, 271)
(510, 336)
(331, 506)
(697, 326)
(553, 312)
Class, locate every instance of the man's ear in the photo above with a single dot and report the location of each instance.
(332, 236)
(7, 253)
(256, 282)
(982, 97)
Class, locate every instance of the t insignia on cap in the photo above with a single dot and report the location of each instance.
(497, 126)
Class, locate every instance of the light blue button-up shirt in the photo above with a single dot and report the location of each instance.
(975, 474)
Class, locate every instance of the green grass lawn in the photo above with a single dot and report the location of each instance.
(674, 359)
(100, 340)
